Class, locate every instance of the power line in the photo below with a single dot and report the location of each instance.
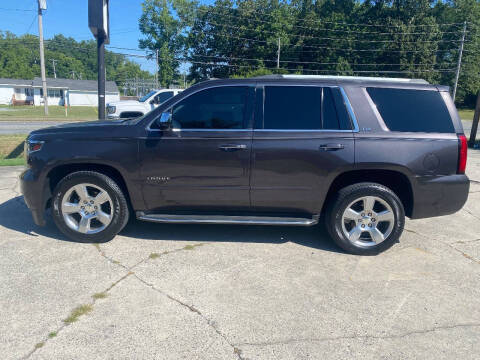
(326, 29)
(335, 39)
(8, 9)
(257, 12)
(305, 62)
(31, 24)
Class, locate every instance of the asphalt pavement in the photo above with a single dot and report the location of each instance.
(161, 291)
(27, 126)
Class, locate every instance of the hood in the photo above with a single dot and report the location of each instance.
(94, 128)
(124, 103)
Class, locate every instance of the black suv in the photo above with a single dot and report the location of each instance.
(362, 153)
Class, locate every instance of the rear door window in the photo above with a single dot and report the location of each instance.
(304, 108)
(412, 110)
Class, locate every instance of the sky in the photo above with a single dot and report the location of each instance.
(70, 18)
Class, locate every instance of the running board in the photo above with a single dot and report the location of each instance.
(222, 219)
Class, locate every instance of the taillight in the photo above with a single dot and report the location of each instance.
(462, 154)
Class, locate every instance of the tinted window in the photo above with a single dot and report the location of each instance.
(292, 107)
(304, 108)
(342, 113)
(216, 108)
(162, 97)
(329, 113)
(412, 110)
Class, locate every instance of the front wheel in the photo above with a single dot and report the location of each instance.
(89, 207)
(365, 218)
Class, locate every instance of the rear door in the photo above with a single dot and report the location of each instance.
(303, 138)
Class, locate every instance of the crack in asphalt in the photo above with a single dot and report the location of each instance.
(466, 241)
(209, 322)
(469, 257)
(469, 212)
(393, 336)
(64, 325)
(130, 272)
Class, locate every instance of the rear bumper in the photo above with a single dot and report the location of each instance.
(36, 194)
(439, 195)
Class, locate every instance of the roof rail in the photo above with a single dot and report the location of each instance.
(351, 78)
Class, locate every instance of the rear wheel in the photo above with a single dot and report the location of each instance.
(89, 207)
(365, 218)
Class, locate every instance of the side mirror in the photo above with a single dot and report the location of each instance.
(152, 102)
(164, 122)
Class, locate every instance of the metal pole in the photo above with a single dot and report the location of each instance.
(156, 70)
(476, 117)
(459, 64)
(101, 75)
(278, 54)
(42, 58)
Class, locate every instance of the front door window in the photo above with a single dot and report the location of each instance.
(215, 108)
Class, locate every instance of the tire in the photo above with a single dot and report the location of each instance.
(93, 215)
(377, 228)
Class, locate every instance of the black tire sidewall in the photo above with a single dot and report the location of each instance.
(356, 192)
(119, 209)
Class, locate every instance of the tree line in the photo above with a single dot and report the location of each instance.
(396, 38)
(20, 59)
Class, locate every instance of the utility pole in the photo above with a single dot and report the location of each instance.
(42, 5)
(459, 64)
(54, 70)
(278, 54)
(156, 69)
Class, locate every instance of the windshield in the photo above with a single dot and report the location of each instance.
(144, 98)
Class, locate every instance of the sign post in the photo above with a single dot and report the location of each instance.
(476, 117)
(42, 5)
(98, 22)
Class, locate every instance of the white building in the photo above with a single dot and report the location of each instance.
(59, 91)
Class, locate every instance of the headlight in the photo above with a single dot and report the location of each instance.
(111, 109)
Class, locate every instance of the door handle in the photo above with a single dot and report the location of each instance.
(331, 147)
(232, 147)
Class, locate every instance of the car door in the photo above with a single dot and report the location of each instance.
(203, 162)
(303, 138)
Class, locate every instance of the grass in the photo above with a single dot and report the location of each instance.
(466, 114)
(52, 334)
(154, 255)
(191, 247)
(11, 150)
(100, 295)
(54, 113)
(77, 312)
(39, 345)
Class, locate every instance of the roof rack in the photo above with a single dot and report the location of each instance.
(350, 78)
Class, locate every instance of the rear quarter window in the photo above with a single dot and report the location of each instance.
(409, 110)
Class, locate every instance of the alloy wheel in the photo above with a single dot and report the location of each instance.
(87, 208)
(368, 221)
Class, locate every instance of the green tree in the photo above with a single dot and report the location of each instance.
(163, 25)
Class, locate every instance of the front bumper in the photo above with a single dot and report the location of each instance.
(36, 193)
(439, 195)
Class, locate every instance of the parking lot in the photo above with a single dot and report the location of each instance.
(238, 292)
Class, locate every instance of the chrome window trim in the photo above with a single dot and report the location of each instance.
(342, 91)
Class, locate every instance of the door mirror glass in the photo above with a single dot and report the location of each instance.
(164, 122)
